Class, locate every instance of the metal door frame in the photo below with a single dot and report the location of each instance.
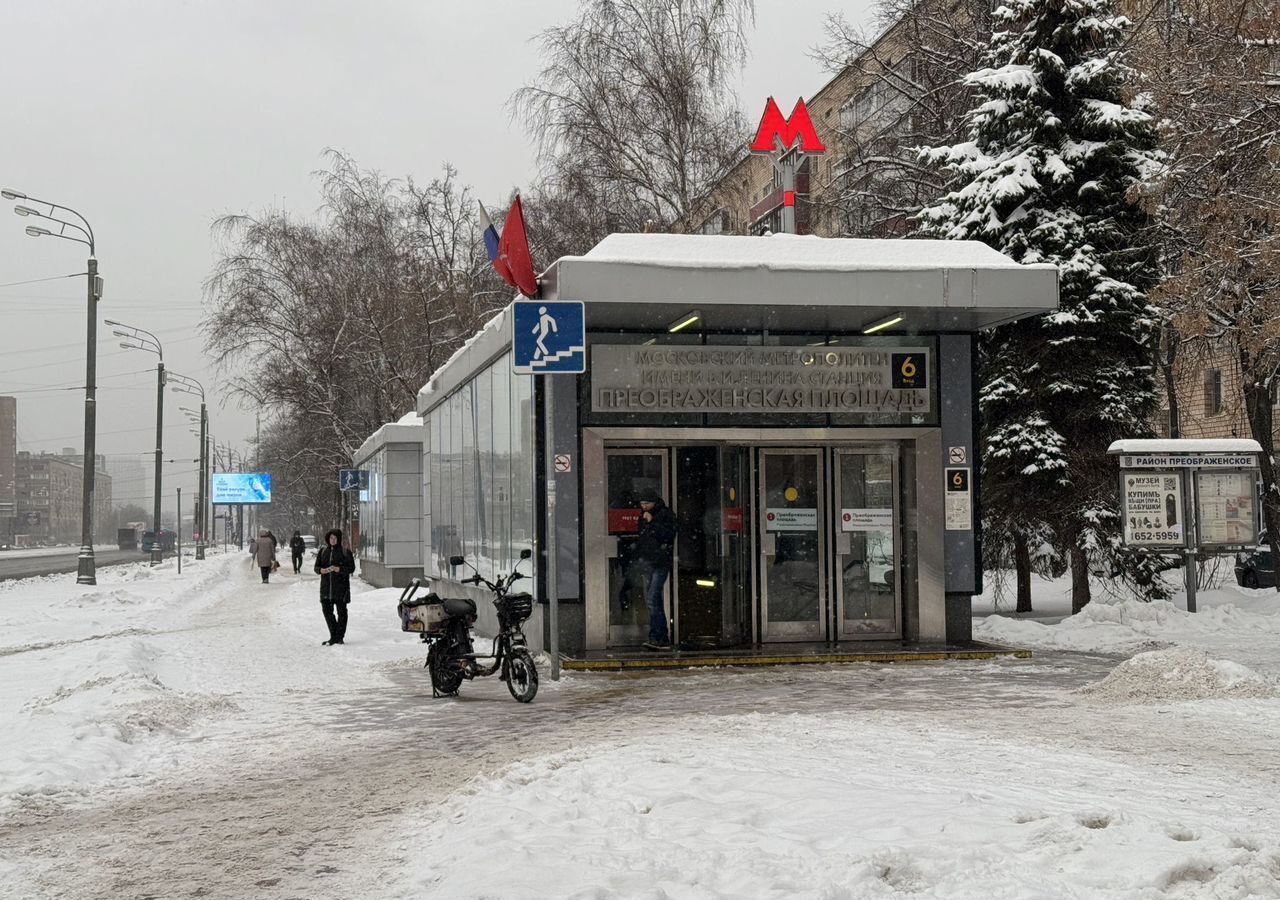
(819, 630)
(924, 620)
(610, 542)
(893, 451)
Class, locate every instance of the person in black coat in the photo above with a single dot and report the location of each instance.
(335, 565)
(655, 541)
(297, 547)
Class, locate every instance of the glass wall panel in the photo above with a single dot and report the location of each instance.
(482, 472)
(482, 461)
(522, 529)
(500, 512)
(373, 508)
(467, 484)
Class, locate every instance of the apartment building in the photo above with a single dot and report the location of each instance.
(8, 468)
(49, 496)
(891, 99)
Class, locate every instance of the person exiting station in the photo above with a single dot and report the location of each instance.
(655, 542)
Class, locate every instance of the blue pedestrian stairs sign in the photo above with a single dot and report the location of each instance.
(353, 479)
(549, 338)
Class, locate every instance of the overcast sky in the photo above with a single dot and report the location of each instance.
(153, 117)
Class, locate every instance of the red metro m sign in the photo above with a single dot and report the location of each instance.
(776, 133)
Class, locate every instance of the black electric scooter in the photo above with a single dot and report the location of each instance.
(446, 623)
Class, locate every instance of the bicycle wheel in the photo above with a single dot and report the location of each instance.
(522, 675)
(445, 681)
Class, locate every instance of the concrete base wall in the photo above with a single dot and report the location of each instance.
(384, 576)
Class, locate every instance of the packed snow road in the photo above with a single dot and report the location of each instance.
(190, 737)
(58, 560)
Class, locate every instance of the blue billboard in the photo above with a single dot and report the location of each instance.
(241, 487)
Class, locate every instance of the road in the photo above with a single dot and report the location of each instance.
(57, 563)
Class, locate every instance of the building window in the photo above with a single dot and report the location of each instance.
(1213, 392)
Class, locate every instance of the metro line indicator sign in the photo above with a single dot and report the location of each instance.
(549, 338)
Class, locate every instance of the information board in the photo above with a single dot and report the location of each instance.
(790, 519)
(1226, 511)
(957, 510)
(729, 378)
(1153, 509)
(877, 519)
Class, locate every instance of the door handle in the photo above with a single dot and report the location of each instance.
(611, 546)
(769, 544)
(844, 543)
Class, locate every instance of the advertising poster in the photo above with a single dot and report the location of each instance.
(1153, 509)
(1226, 507)
(241, 487)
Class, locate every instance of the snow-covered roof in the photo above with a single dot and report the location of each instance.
(1185, 445)
(800, 282)
(493, 338)
(791, 252)
(408, 429)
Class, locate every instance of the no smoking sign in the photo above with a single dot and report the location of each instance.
(563, 462)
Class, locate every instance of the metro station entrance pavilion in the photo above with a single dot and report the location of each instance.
(806, 407)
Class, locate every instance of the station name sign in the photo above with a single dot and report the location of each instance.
(756, 379)
(1188, 460)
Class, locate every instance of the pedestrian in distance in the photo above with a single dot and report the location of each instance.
(264, 553)
(297, 547)
(335, 565)
(655, 543)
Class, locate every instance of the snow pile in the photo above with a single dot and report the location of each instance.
(91, 685)
(92, 711)
(769, 806)
(1130, 626)
(1182, 673)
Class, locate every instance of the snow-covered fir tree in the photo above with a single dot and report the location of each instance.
(1057, 159)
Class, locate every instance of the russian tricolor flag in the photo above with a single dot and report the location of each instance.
(509, 251)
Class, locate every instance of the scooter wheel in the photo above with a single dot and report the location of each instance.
(521, 675)
(444, 681)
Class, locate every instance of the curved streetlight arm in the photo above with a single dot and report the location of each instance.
(44, 232)
(185, 383)
(87, 230)
(28, 211)
(137, 343)
(141, 335)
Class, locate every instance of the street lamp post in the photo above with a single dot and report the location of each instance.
(188, 385)
(141, 339)
(86, 572)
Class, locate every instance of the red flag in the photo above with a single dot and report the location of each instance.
(514, 262)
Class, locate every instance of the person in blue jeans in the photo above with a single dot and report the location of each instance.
(655, 541)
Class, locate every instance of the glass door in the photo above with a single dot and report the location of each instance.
(792, 545)
(628, 475)
(713, 557)
(866, 552)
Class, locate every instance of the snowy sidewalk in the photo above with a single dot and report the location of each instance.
(189, 736)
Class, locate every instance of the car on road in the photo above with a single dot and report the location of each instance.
(309, 541)
(1255, 568)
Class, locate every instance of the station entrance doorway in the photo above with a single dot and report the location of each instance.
(775, 543)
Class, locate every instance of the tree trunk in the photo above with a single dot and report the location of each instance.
(1259, 397)
(1079, 580)
(1168, 356)
(1022, 567)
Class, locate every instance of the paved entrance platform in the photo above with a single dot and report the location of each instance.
(785, 655)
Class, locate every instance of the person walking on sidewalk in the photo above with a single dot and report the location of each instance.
(297, 547)
(335, 565)
(655, 541)
(265, 554)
